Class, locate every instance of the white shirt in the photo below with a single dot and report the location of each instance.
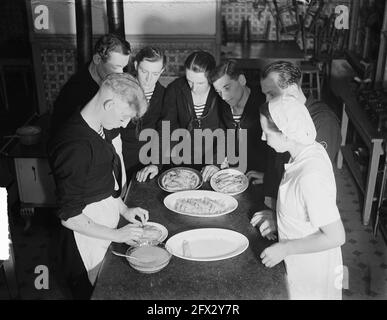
(307, 202)
(307, 194)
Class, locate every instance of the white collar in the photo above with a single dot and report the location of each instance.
(299, 157)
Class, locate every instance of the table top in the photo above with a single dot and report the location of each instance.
(264, 51)
(240, 277)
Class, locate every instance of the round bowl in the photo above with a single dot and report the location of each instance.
(152, 257)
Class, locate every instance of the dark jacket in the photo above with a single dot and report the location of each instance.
(74, 95)
(82, 164)
(328, 134)
(256, 148)
(178, 109)
(130, 144)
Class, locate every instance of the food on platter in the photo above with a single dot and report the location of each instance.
(199, 206)
(151, 232)
(201, 203)
(178, 179)
(229, 181)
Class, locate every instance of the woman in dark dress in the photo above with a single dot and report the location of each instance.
(190, 103)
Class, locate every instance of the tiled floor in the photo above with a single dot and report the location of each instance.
(364, 256)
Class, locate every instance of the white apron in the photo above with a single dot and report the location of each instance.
(316, 275)
(106, 213)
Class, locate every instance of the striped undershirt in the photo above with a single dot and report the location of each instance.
(199, 110)
(148, 95)
(237, 117)
(101, 133)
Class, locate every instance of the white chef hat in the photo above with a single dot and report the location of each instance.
(293, 119)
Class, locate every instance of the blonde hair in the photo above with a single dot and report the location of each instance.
(128, 89)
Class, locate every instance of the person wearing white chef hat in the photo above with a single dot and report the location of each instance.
(293, 118)
(284, 78)
(310, 231)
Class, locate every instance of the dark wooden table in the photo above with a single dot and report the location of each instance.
(240, 277)
(255, 55)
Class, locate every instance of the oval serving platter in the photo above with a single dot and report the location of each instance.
(207, 244)
(200, 203)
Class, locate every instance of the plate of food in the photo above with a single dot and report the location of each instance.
(201, 203)
(153, 232)
(229, 181)
(207, 244)
(179, 179)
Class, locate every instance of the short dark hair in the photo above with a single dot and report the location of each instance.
(264, 111)
(229, 67)
(201, 61)
(288, 73)
(111, 43)
(151, 54)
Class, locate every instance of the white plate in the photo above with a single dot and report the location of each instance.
(197, 179)
(163, 236)
(207, 244)
(240, 187)
(229, 203)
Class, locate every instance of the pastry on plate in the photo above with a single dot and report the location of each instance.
(150, 233)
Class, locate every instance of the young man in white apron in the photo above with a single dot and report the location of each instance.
(90, 176)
